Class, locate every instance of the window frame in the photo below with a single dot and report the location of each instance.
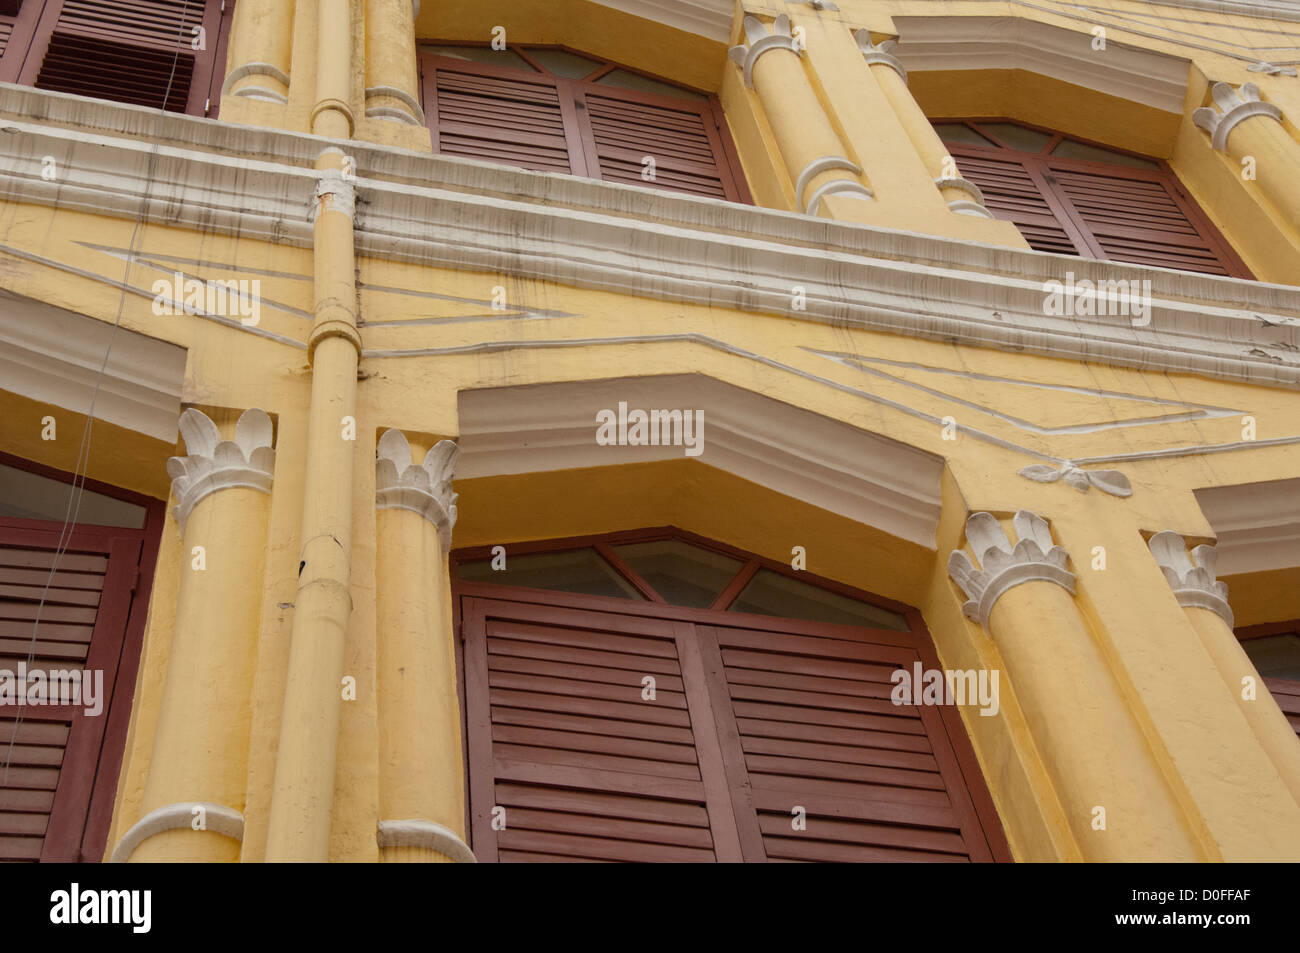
(1039, 165)
(78, 833)
(582, 151)
(34, 28)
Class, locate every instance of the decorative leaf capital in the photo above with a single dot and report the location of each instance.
(881, 53)
(1192, 578)
(759, 40)
(423, 488)
(1003, 566)
(1234, 106)
(214, 464)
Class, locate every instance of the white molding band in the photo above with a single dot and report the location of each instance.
(428, 834)
(339, 193)
(844, 187)
(1035, 558)
(218, 819)
(1235, 105)
(881, 54)
(57, 357)
(966, 185)
(963, 207)
(620, 238)
(373, 92)
(816, 167)
(961, 43)
(423, 488)
(214, 464)
(1257, 524)
(1194, 586)
(759, 40)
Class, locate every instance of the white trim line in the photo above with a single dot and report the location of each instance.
(428, 834)
(179, 816)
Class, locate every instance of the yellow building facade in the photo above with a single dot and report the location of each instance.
(351, 356)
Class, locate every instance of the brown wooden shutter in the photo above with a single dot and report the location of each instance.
(1098, 210)
(682, 138)
(550, 123)
(45, 796)
(500, 115)
(748, 724)
(131, 51)
(1287, 693)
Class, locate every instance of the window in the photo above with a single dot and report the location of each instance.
(71, 603)
(695, 711)
(1274, 650)
(156, 53)
(1075, 198)
(554, 110)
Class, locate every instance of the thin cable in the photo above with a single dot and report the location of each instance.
(73, 510)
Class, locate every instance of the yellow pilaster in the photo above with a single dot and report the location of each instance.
(1204, 599)
(814, 155)
(1250, 132)
(961, 195)
(422, 780)
(194, 796)
(1082, 727)
(258, 62)
(392, 79)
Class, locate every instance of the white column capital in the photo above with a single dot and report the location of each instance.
(1002, 566)
(423, 488)
(880, 53)
(759, 39)
(214, 464)
(1192, 578)
(1235, 105)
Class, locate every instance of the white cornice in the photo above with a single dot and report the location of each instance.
(453, 213)
(1257, 525)
(54, 356)
(975, 43)
(797, 453)
(710, 18)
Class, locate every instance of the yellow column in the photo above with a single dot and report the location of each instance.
(962, 195)
(257, 64)
(812, 151)
(392, 77)
(1245, 127)
(1205, 600)
(421, 769)
(194, 795)
(303, 795)
(1119, 807)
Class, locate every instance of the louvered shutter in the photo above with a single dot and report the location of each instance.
(53, 752)
(500, 116)
(1096, 210)
(818, 731)
(681, 139)
(746, 726)
(554, 124)
(1287, 693)
(561, 738)
(131, 51)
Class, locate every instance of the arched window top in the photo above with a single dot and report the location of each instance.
(1074, 197)
(552, 109)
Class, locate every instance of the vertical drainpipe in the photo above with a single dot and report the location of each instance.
(302, 800)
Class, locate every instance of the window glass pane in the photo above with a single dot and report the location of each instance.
(624, 79)
(480, 54)
(578, 570)
(683, 574)
(771, 593)
(563, 63)
(960, 132)
(1276, 656)
(31, 496)
(1069, 149)
(1017, 137)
